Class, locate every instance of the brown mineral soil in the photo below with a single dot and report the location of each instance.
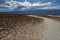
(21, 27)
(29, 27)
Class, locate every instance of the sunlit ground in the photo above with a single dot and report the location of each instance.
(29, 27)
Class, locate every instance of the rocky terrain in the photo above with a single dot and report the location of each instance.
(29, 27)
(21, 27)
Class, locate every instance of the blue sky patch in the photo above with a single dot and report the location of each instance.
(28, 5)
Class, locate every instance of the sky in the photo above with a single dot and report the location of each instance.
(23, 5)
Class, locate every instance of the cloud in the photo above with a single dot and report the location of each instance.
(52, 7)
(2, 2)
(15, 5)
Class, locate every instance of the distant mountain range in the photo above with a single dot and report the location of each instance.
(40, 11)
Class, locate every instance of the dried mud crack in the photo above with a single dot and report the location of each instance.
(21, 28)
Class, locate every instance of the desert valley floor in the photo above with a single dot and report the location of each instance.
(29, 27)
